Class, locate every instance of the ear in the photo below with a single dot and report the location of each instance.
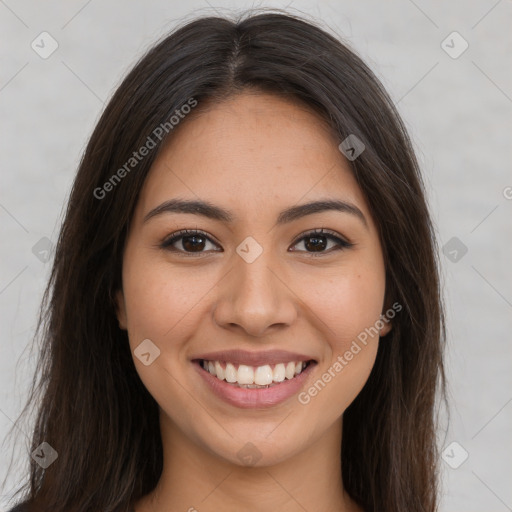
(121, 310)
(388, 325)
(386, 321)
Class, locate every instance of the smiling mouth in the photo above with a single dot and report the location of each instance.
(254, 377)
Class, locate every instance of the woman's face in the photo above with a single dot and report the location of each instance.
(255, 293)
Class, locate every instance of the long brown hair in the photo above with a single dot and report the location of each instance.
(92, 407)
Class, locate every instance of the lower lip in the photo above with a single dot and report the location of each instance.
(246, 398)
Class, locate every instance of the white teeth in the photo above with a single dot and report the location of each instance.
(221, 374)
(231, 373)
(253, 377)
(279, 373)
(290, 370)
(246, 375)
(263, 375)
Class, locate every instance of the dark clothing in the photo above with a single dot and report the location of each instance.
(19, 508)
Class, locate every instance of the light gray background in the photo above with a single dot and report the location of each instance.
(458, 112)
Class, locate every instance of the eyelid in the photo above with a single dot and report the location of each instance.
(343, 242)
(173, 237)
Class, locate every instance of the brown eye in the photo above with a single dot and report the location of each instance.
(318, 242)
(193, 242)
(189, 240)
(315, 243)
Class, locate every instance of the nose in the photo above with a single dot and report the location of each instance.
(255, 298)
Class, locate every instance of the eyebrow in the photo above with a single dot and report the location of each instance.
(211, 211)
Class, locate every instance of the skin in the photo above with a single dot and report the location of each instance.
(255, 155)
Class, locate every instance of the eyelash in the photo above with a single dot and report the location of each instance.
(342, 244)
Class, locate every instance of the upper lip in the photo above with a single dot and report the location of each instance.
(254, 358)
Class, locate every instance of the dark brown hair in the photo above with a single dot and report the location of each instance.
(92, 407)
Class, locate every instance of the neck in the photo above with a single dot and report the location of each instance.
(195, 479)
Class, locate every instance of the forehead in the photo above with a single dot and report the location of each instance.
(251, 151)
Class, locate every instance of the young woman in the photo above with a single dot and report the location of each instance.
(244, 310)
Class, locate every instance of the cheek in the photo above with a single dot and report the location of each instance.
(160, 299)
(348, 307)
(347, 303)
(162, 304)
